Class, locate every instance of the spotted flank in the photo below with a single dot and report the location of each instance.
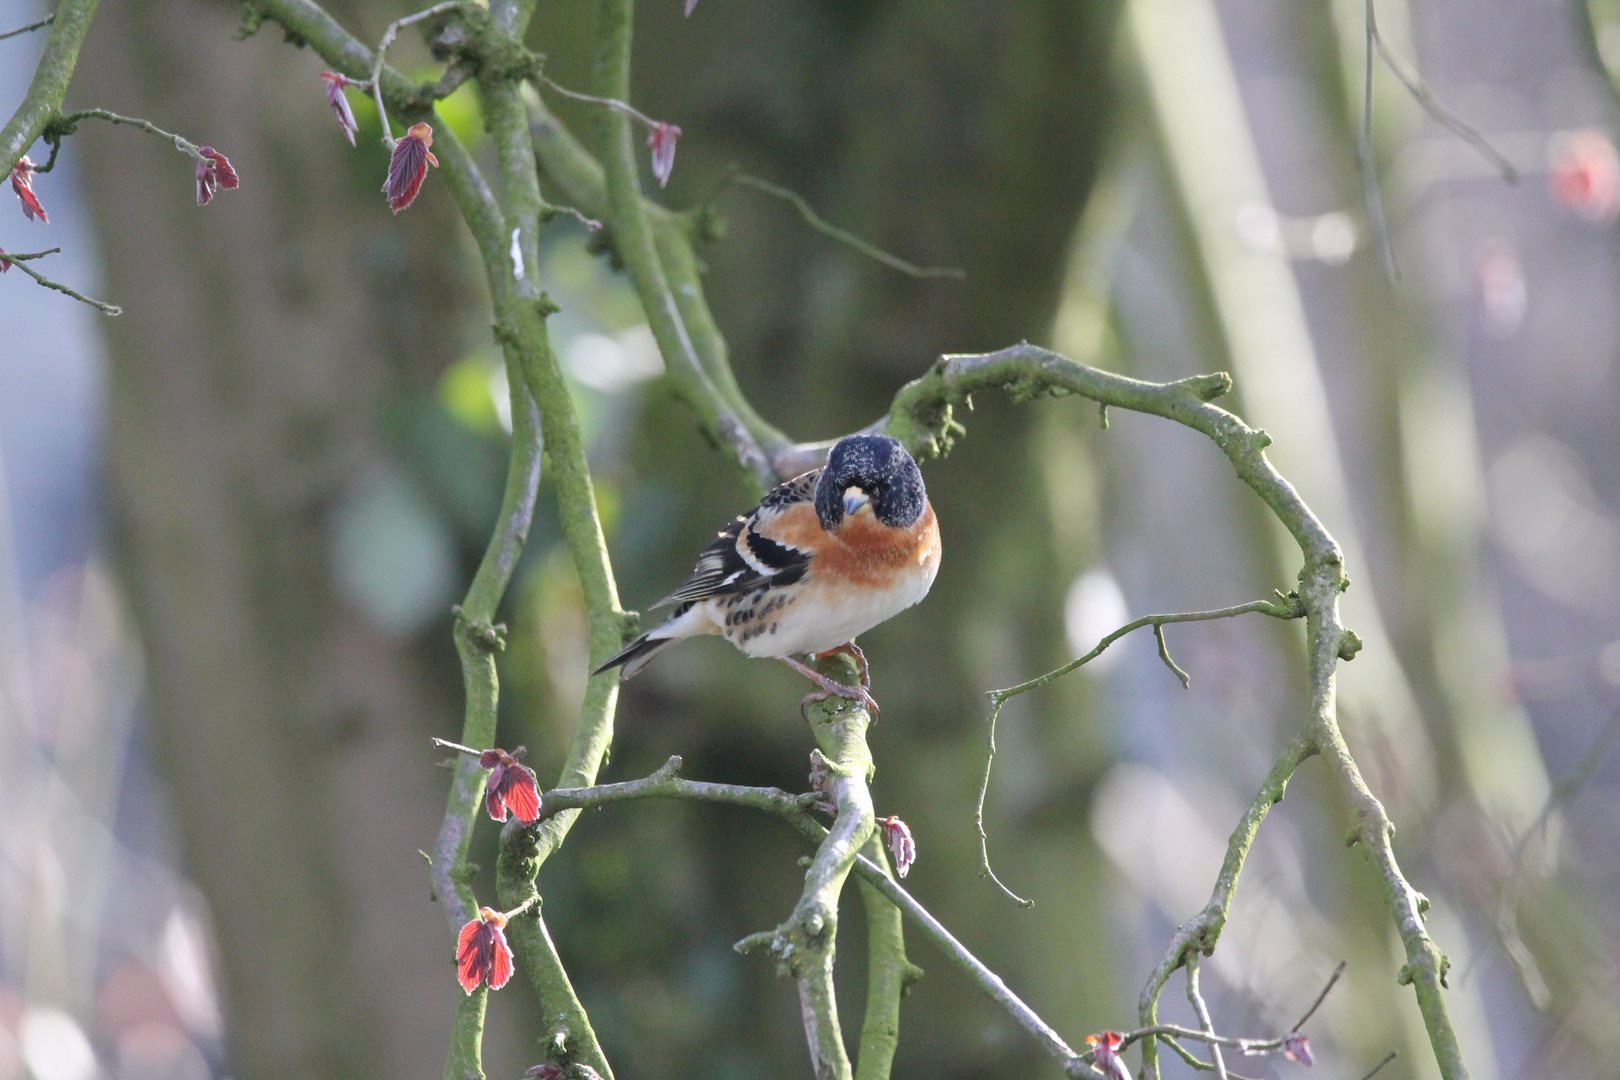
(823, 558)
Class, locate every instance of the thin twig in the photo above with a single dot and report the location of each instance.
(574, 212)
(1317, 1004)
(1287, 608)
(843, 236)
(181, 143)
(1378, 225)
(448, 745)
(394, 28)
(1507, 904)
(1197, 1000)
(46, 21)
(985, 869)
(667, 783)
(55, 141)
(1389, 1057)
(1164, 654)
(18, 260)
(622, 107)
(1425, 97)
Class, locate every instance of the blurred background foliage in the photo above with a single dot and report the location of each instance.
(301, 438)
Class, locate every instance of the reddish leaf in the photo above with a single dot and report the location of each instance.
(214, 172)
(511, 786)
(897, 838)
(482, 954)
(408, 167)
(22, 182)
(1105, 1053)
(340, 104)
(662, 140)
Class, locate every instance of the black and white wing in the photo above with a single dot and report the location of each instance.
(742, 558)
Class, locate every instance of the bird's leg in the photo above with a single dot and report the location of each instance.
(853, 651)
(829, 688)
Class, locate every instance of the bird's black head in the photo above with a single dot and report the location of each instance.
(870, 472)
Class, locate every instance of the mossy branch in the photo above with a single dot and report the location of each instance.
(43, 102)
(666, 275)
(923, 417)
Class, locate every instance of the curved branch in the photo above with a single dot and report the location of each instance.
(7, 261)
(715, 395)
(1285, 607)
(794, 809)
(889, 975)
(632, 238)
(922, 417)
(844, 236)
(51, 77)
(30, 28)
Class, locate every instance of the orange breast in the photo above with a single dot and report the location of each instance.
(864, 551)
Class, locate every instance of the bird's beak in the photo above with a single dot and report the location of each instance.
(855, 501)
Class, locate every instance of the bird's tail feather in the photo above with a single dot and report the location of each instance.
(636, 655)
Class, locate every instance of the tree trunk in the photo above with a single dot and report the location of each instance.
(262, 335)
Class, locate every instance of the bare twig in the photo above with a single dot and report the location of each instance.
(1317, 1004)
(1197, 1000)
(375, 83)
(1376, 220)
(843, 236)
(985, 869)
(1284, 608)
(46, 21)
(578, 215)
(19, 260)
(923, 418)
(1389, 1057)
(1507, 904)
(1164, 654)
(1425, 97)
(624, 108)
(181, 143)
(667, 783)
(1372, 191)
(448, 745)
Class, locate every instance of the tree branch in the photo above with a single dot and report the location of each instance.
(7, 260)
(889, 975)
(1285, 607)
(804, 945)
(794, 809)
(30, 28)
(374, 84)
(843, 236)
(1202, 1010)
(632, 238)
(51, 77)
(65, 124)
(922, 417)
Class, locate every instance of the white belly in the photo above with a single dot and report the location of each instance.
(814, 622)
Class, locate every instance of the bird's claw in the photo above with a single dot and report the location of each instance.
(858, 694)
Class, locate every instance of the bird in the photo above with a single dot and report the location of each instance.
(823, 558)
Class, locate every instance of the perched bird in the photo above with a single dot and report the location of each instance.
(824, 557)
